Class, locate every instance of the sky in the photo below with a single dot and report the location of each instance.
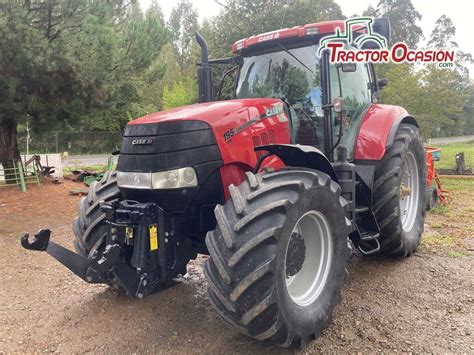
(460, 11)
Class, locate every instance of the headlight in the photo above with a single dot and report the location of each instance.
(174, 179)
(171, 179)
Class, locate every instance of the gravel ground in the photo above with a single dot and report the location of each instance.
(424, 303)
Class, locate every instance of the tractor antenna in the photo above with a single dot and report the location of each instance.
(227, 7)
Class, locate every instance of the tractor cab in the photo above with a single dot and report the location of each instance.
(288, 64)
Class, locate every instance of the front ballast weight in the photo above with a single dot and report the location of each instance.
(131, 256)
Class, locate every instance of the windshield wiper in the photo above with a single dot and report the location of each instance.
(297, 59)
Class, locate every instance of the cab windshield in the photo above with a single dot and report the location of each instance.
(293, 75)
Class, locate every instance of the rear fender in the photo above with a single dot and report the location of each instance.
(304, 156)
(406, 119)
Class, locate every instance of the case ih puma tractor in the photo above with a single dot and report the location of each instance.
(276, 186)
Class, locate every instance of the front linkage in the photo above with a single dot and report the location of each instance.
(130, 257)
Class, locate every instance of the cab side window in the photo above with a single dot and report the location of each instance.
(354, 87)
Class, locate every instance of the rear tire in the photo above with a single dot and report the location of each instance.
(90, 227)
(259, 283)
(399, 209)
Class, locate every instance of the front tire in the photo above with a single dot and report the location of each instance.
(90, 227)
(399, 193)
(271, 275)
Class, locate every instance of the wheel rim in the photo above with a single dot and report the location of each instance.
(409, 192)
(308, 258)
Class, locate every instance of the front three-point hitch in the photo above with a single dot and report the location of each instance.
(128, 256)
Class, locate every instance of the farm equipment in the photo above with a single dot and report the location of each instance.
(275, 185)
(460, 168)
(38, 168)
(435, 194)
(89, 177)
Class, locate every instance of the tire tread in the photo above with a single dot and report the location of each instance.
(245, 248)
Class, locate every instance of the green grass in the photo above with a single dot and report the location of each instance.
(456, 254)
(442, 210)
(431, 240)
(445, 244)
(456, 184)
(436, 225)
(449, 151)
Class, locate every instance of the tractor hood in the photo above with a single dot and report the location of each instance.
(214, 113)
(235, 127)
(206, 137)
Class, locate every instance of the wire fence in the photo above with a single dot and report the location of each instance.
(95, 142)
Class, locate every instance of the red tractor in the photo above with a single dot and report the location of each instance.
(276, 186)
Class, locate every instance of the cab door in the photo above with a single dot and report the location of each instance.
(352, 82)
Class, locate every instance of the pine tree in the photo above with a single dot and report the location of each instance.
(73, 62)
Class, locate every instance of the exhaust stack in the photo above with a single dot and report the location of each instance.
(204, 71)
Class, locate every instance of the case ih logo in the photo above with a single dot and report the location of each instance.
(142, 141)
(360, 43)
(268, 37)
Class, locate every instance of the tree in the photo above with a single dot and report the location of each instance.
(468, 111)
(403, 88)
(403, 20)
(433, 96)
(24, 32)
(443, 99)
(243, 18)
(179, 94)
(65, 61)
(370, 11)
(442, 37)
(443, 33)
(163, 72)
(156, 10)
(183, 24)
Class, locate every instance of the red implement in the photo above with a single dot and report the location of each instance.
(432, 155)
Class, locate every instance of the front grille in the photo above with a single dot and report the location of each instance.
(172, 145)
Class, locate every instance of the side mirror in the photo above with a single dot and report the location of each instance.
(382, 83)
(382, 27)
(378, 37)
(337, 103)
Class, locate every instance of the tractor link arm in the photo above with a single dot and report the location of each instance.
(78, 264)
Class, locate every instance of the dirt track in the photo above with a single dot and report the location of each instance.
(423, 304)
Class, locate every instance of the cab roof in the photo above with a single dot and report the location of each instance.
(312, 29)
